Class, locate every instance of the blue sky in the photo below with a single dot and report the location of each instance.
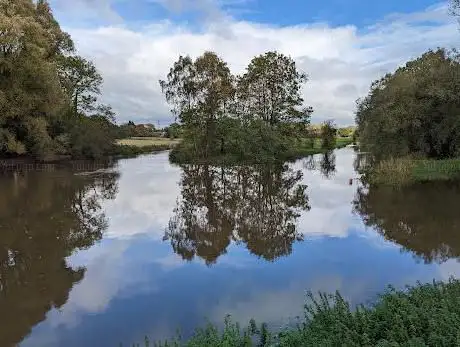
(335, 12)
(342, 45)
(288, 12)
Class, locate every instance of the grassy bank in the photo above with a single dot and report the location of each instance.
(303, 148)
(135, 146)
(148, 141)
(423, 315)
(404, 171)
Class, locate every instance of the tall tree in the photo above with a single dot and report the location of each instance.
(30, 94)
(200, 92)
(270, 90)
(81, 81)
(42, 83)
(328, 134)
(414, 110)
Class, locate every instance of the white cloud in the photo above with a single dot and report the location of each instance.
(146, 198)
(341, 61)
(450, 268)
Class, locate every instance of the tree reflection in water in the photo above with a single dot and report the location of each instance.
(257, 206)
(423, 218)
(325, 163)
(44, 217)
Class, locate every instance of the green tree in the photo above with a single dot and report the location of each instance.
(328, 135)
(44, 87)
(414, 110)
(174, 131)
(81, 81)
(200, 92)
(257, 116)
(270, 90)
(30, 93)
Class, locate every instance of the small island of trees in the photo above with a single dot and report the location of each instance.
(259, 115)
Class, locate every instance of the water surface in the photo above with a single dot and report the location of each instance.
(96, 256)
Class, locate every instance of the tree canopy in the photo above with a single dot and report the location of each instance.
(47, 92)
(415, 110)
(259, 113)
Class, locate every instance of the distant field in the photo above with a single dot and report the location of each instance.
(148, 141)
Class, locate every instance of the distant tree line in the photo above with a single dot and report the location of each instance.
(259, 113)
(48, 95)
(130, 129)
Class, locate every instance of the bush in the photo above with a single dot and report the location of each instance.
(91, 137)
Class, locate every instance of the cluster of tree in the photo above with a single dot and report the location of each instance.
(260, 111)
(48, 95)
(45, 217)
(415, 217)
(130, 129)
(346, 132)
(254, 205)
(173, 131)
(414, 111)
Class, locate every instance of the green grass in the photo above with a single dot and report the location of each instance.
(436, 169)
(422, 315)
(135, 146)
(404, 171)
(148, 141)
(305, 148)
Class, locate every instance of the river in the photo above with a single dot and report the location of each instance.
(103, 254)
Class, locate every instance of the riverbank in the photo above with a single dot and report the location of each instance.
(303, 148)
(422, 315)
(404, 171)
(132, 147)
(125, 148)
